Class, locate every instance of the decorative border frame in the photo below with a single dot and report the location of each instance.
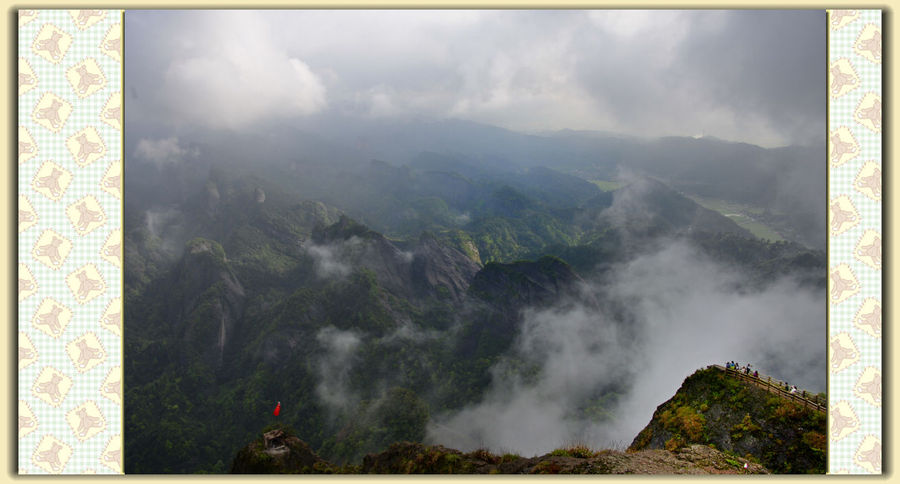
(70, 410)
(855, 235)
(70, 241)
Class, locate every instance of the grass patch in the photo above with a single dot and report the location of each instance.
(579, 451)
(510, 457)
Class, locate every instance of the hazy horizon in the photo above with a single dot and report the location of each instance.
(750, 76)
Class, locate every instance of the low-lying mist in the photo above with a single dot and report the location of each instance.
(684, 312)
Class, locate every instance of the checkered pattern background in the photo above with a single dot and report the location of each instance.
(70, 355)
(79, 430)
(855, 273)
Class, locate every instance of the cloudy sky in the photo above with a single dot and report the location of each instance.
(753, 76)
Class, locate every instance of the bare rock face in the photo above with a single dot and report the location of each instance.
(440, 268)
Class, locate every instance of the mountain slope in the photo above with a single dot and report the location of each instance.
(712, 408)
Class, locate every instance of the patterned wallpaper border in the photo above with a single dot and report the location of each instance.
(855, 230)
(70, 241)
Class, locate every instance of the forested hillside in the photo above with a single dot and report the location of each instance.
(381, 302)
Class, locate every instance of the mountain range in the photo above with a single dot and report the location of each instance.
(379, 301)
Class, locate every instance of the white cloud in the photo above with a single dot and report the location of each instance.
(334, 366)
(327, 260)
(232, 72)
(162, 151)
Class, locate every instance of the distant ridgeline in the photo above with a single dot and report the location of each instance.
(717, 423)
(369, 300)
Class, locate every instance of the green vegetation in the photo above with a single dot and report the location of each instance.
(399, 416)
(742, 215)
(606, 186)
(509, 457)
(684, 421)
(579, 451)
(745, 427)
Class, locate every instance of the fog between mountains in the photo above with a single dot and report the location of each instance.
(688, 313)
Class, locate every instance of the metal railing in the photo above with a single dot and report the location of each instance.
(776, 387)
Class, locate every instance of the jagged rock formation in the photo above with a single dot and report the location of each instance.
(712, 408)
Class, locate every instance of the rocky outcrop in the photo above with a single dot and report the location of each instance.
(712, 408)
(278, 452)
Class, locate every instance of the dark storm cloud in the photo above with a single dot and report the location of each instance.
(754, 76)
(774, 73)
